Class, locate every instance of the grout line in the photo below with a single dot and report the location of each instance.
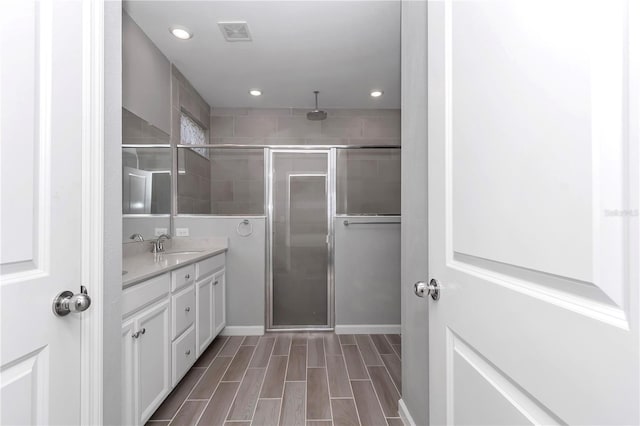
(367, 370)
(387, 369)
(353, 394)
(244, 375)
(264, 379)
(393, 352)
(284, 384)
(388, 341)
(326, 372)
(198, 381)
(218, 385)
(306, 379)
(225, 340)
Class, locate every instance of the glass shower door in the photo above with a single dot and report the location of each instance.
(300, 228)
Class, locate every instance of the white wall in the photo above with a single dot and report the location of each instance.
(146, 77)
(367, 274)
(245, 264)
(415, 326)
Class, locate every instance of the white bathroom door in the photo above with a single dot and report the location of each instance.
(534, 115)
(41, 167)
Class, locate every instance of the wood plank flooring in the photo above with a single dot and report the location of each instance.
(290, 379)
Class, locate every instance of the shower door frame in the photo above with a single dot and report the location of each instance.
(330, 152)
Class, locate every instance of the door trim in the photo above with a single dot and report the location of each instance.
(92, 262)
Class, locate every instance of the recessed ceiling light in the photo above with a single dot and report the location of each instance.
(376, 93)
(180, 33)
(255, 92)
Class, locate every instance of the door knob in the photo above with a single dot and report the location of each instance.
(67, 302)
(422, 289)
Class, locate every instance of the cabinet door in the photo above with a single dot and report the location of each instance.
(153, 358)
(128, 372)
(219, 299)
(205, 314)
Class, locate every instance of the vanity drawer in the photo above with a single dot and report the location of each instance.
(183, 305)
(142, 294)
(183, 352)
(209, 266)
(182, 277)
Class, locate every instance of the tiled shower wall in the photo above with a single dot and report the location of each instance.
(194, 182)
(289, 126)
(240, 189)
(135, 130)
(194, 170)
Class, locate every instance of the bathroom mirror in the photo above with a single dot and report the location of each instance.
(146, 190)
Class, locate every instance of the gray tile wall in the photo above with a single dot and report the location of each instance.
(194, 177)
(194, 182)
(289, 126)
(184, 97)
(372, 187)
(135, 130)
(237, 184)
(368, 181)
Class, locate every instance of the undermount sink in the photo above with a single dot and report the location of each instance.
(181, 252)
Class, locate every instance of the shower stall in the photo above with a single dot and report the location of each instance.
(311, 190)
(303, 192)
(300, 246)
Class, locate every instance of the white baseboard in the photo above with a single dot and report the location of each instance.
(405, 416)
(368, 329)
(243, 330)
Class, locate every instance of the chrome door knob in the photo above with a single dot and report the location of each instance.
(67, 302)
(422, 289)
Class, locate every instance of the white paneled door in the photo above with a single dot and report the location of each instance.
(534, 114)
(41, 108)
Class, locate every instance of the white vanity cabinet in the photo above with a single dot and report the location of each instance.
(210, 293)
(146, 356)
(184, 304)
(168, 321)
(219, 304)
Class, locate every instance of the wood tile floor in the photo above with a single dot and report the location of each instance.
(307, 379)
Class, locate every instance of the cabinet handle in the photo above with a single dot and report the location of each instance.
(144, 330)
(187, 309)
(188, 352)
(186, 277)
(136, 335)
(215, 282)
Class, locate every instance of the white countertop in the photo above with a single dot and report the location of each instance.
(141, 266)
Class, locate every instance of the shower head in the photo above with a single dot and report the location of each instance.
(316, 114)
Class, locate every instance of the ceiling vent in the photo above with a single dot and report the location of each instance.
(235, 31)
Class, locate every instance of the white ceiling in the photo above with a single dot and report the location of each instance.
(342, 48)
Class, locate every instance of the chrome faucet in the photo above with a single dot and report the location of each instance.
(136, 237)
(158, 245)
